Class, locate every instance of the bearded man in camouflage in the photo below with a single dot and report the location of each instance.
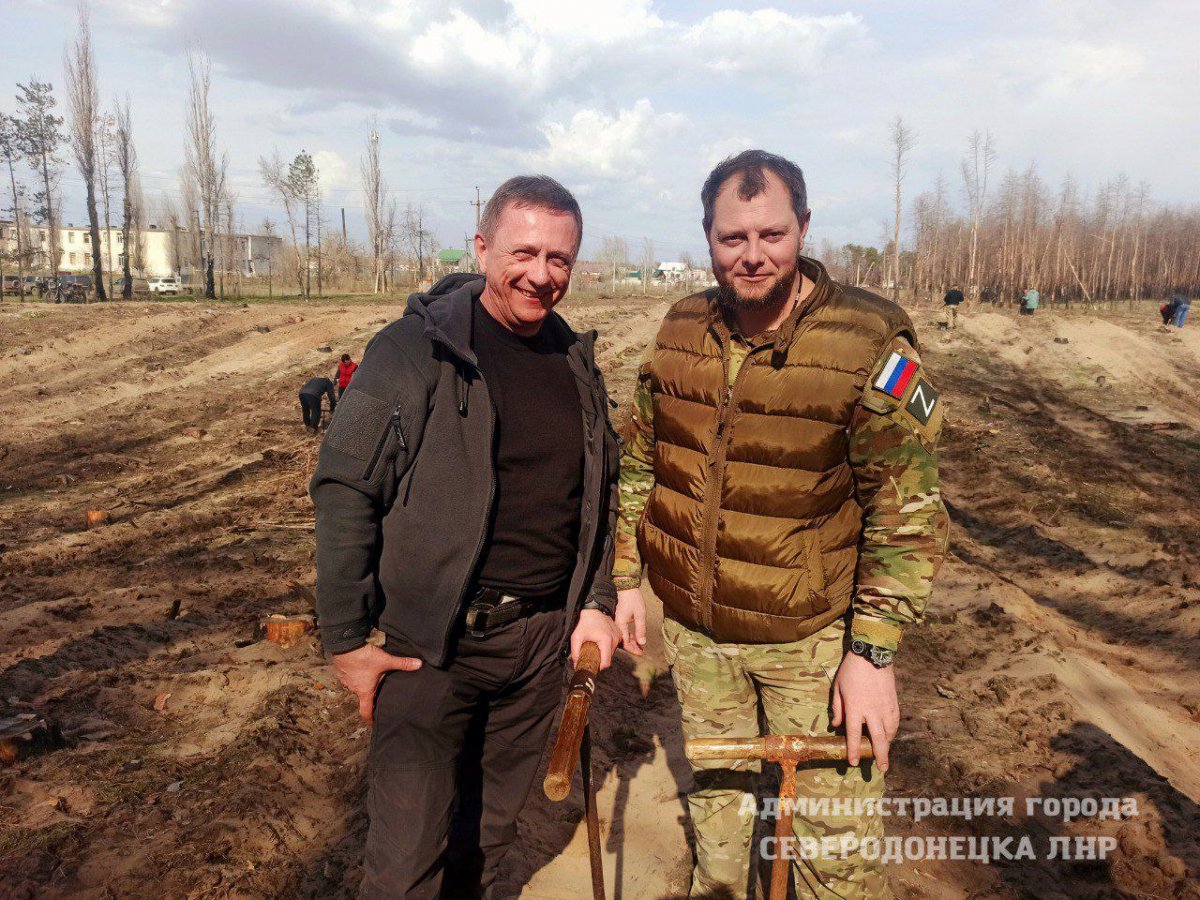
(780, 484)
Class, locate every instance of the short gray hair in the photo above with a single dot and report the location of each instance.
(530, 191)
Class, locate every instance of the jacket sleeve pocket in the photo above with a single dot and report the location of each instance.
(366, 432)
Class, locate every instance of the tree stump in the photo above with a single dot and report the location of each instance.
(286, 631)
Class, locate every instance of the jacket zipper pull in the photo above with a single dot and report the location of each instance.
(396, 428)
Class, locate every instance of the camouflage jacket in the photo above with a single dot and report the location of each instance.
(894, 459)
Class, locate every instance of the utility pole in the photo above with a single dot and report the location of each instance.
(478, 204)
(470, 258)
(344, 241)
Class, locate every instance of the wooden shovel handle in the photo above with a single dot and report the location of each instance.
(557, 784)
(774, 747)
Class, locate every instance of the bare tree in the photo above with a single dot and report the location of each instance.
(613, 255)
(391, 243)
(902, 143)
(40, 138)
(231, 260)
(302, 182)
(205, 169)
(374, 191)
(106, 141)
(647, 263)
(976, 168)
(10, 151)
(274, 173)
(126, 158)
(417, 237)
(83, 96)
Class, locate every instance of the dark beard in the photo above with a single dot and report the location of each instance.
(730, 301)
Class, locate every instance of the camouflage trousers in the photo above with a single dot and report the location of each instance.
(722, 688)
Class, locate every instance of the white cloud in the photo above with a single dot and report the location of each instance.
(767, 40)
(604, 144)
(332, 171)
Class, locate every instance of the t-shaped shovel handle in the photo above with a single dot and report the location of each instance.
(789, 750)
(777, 748)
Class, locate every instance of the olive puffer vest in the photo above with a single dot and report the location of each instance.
(751, 532)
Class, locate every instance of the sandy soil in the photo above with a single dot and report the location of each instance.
(192, 759)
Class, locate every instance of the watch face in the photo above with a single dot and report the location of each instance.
(857, 647)
(881, 656)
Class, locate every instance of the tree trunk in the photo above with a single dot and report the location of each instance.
(127, 287)
(53, 254)
(12, 178)
(94, 231)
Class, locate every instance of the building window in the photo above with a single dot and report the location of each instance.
(72, 259)
(120, 237)
(87, 237)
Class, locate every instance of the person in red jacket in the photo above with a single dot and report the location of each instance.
(345, 371)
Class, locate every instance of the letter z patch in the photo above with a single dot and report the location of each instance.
(896, 375)
(922, 402)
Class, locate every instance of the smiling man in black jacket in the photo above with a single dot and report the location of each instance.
(466, 501)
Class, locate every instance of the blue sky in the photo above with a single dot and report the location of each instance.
(631, 102)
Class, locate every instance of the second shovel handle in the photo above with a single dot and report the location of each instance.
(565, 756)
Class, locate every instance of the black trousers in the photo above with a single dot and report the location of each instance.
(454, 753)
(310, 407)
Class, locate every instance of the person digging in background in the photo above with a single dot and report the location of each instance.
(1167, 310)
(1179, 315)
(345, 371)
(780, 483)
(310, 401)
(1030, 302)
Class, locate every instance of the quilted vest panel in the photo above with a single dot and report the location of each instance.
(751, 532)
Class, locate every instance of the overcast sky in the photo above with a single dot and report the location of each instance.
(630, 103)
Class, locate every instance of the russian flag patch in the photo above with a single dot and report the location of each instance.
(896, 375)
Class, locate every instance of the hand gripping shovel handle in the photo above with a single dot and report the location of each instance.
(574, 721)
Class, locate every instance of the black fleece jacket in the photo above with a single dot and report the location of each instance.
(404, 484)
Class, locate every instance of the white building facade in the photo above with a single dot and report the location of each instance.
(159, 252)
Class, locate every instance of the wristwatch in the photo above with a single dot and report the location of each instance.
(879, 657)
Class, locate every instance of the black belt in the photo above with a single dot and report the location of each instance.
(489, 609)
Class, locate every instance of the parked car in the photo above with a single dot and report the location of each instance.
(11, 285)
(141, 288)
(166, 284)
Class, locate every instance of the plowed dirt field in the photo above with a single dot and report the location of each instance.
(190, 758)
